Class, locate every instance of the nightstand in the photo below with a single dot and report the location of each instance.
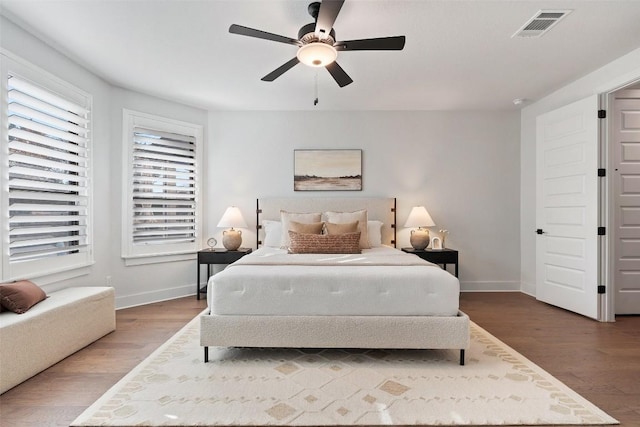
(216, 256)
(436, 256)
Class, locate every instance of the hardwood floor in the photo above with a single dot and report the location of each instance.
(601, 361)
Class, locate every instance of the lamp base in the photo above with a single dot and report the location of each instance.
(419, 239)
(231, 239)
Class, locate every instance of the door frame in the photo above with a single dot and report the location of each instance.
(606, 204)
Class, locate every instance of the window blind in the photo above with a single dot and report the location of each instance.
(164, 187)
(48, 182)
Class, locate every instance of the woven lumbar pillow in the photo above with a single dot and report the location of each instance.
(301, 243)
(20, 296)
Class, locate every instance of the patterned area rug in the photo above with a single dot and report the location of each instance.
(497, 386)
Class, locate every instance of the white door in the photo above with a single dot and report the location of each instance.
(626, 194)
(567, 207)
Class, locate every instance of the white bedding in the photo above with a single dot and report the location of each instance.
(381, 281)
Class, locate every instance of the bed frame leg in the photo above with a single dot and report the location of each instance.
(461, 357)
(206, 354)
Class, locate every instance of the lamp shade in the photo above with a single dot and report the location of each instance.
(419, 217)
(232, 218)
(317, 54)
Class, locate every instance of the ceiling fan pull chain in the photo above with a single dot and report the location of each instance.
(315, 101)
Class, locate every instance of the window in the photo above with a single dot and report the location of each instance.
(45, 194)
(162, 209)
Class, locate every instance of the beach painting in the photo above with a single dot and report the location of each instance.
(327, 170)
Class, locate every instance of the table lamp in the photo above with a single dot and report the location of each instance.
(232, 239)
(419, 217)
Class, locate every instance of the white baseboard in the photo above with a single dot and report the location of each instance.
(144, 298)
(529, 289)
(490, 286)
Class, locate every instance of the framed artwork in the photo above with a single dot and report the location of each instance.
(327, 170)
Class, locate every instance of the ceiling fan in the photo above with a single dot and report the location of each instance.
(317, 45)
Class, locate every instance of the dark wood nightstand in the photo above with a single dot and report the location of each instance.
(436, 256)
(216, 256)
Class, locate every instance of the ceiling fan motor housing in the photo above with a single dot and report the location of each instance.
(307, 34)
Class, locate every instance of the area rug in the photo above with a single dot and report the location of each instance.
(497, 386)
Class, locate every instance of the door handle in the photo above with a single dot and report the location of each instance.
(540, 231)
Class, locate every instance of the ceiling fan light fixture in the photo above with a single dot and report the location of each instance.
(317, 54)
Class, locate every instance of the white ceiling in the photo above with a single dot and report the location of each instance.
(459, 55)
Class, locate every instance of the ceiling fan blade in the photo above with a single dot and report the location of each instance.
(251, 32)
(280, 70)
(327, 15)
(382, 43)
(339, 74)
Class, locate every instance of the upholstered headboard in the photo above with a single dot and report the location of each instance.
(380, 209)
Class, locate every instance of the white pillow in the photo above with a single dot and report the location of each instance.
(360, 216)
(286, 217)
(374, 228)
(272, 233)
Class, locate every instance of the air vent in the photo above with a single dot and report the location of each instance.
(541, 22)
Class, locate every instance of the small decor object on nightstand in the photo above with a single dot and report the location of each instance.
(443, 236)
(212, 242)
(436, 243)
(419, 217)
(232, 239)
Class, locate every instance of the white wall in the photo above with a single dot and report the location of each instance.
(463, 166)
(133, 284)
(605, 79)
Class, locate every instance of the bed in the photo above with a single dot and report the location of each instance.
(379, 298)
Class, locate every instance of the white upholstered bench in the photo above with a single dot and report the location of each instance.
(53, 329)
